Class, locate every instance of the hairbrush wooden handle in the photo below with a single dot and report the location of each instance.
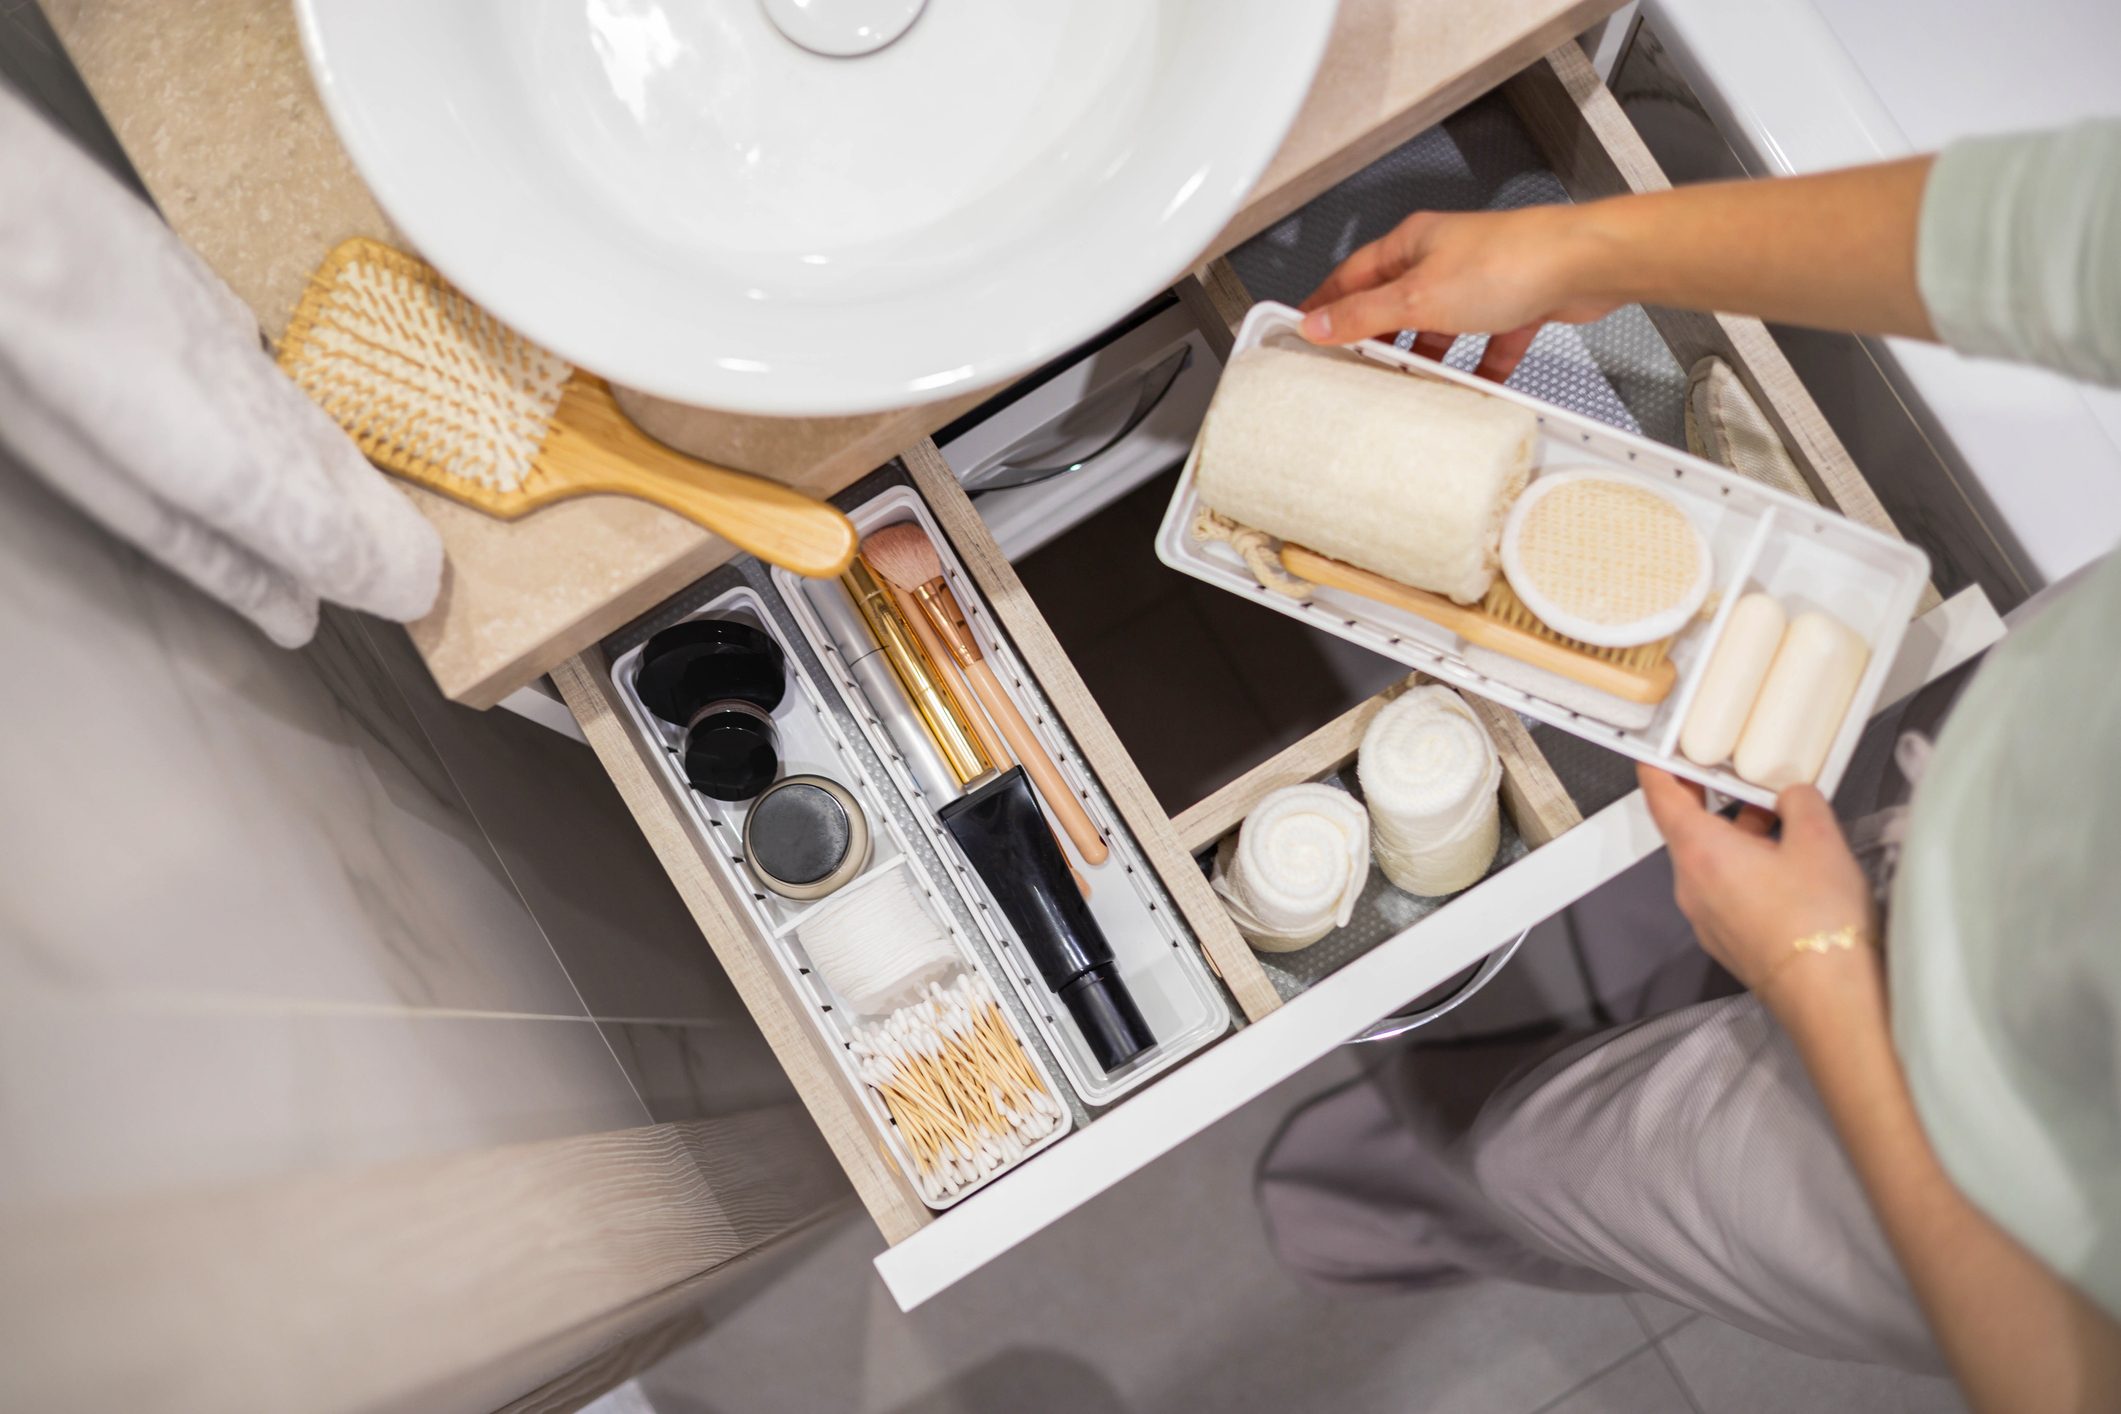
(1475, 625)
(593, 446)
(1074, 820)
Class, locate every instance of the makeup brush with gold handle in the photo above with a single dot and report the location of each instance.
(437, 391)
(950, 677)
(906, 559)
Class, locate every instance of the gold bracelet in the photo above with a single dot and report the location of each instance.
(1842, 939)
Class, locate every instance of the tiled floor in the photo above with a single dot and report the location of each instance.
(1162, 1296)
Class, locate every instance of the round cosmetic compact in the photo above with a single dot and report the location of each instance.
(731, 750)
(702, 661)
(806, 837)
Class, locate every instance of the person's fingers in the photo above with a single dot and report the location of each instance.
(1364, 315)
(1807, 818)
(1754, 821)
(1360, 271)
(1434, 345)
(1381, 261)
(1504, 352)
(1675, 805)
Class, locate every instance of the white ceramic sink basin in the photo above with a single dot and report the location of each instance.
(673, 194)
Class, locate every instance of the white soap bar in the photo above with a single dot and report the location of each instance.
(1732, 679)
(1406, 477)
(1800, 707)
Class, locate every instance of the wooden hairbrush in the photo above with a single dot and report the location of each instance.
(1501, 622)
(437, 391)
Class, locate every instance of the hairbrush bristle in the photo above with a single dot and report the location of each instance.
(428, 384)
(903, 555)
(1502, 604)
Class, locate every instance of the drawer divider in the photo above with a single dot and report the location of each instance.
(1100, 746)
(586, 686)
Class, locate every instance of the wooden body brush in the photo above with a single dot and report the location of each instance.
(1501, 622)
(437, 391)
(903, 555)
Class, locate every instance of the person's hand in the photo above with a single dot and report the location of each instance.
(1502, 273)
(1750, 896)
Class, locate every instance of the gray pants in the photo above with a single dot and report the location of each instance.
(1683, 1153)
(1686, 1156)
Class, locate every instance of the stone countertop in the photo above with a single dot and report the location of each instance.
(213, 103)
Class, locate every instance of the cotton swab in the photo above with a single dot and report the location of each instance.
(957, 1083)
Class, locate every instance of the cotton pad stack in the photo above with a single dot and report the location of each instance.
(1399, 475)
(1430, 775)
(1294, 871)
(875, 944)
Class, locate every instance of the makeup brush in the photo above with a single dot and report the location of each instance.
(438, 392)
(906, 558)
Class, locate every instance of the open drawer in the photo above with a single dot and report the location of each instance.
(1284, 1027)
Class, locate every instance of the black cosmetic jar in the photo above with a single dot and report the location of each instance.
(720, 680)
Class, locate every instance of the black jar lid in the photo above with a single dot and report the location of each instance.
(691, 664)
(731, 751)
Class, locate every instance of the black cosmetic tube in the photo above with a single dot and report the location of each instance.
(1002, 833)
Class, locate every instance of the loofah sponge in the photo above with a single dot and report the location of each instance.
(1403, 476)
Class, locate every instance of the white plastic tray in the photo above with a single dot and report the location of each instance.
(1158, 959)
(811, 742)
(1805, 556)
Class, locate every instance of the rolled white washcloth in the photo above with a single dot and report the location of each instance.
(875, 944)
(1294, 871)
(1430, 775)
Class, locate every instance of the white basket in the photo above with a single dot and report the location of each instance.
(1805, 556)
(810, 741)
(1158, 959)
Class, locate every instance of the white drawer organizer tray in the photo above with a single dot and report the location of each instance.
(1805, 556)
(1158, 959)
(811, 742)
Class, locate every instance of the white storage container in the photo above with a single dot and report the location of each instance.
(811, 742)
(1805, 556)
(1158, 958)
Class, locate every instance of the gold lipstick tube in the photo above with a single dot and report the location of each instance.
(953, 735)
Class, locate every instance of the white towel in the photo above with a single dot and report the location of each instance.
(1430, 775)
(1297, 866)
(134, 382)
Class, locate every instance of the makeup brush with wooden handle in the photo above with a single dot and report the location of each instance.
(437, 391)
(906, 558)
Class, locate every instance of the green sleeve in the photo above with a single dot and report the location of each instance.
(2019, 250)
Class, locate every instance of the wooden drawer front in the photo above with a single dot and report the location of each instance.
(1591, 144)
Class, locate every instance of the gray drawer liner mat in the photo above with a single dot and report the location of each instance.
(1618, 370)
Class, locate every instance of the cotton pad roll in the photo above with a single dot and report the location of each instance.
(1298, 864)
(1430, 775)
(1402, 476)
(876, 944)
